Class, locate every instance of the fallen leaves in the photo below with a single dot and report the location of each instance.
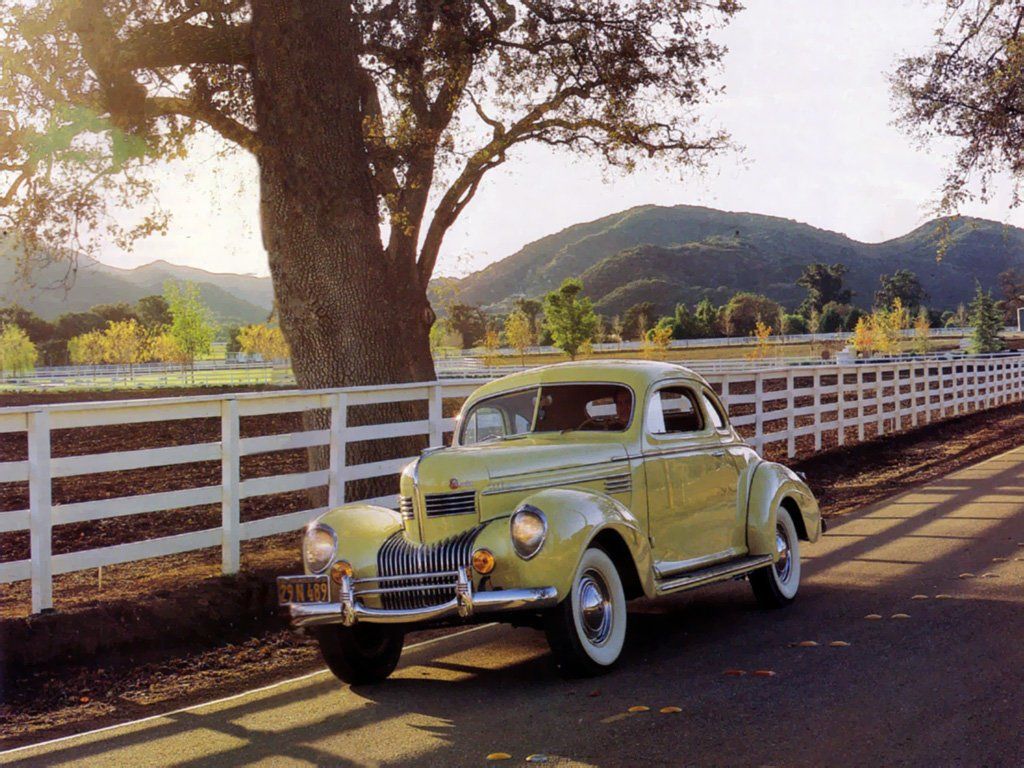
(639, 708)
(967, 575)
(839, 644)
(670, 710)
(873, 616)
(496, 756)
(764, 673)
(538, 758)
(900, 616)
(807, 644)
(919, 597)
(734, 672)
(943, 596)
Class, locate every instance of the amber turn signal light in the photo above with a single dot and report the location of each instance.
(339, 569)
(483, 561)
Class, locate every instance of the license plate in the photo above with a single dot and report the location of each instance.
(303, 589)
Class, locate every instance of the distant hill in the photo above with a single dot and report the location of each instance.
(683, 253)
(231, 298)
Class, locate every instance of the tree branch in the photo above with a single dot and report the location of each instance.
(177, 44)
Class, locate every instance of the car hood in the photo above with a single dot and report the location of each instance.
(446, 474)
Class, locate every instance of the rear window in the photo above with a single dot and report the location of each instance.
(584, 407)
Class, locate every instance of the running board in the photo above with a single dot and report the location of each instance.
(714, 573)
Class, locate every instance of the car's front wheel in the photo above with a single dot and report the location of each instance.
(365, 653)
(775, 586)
(587, 630)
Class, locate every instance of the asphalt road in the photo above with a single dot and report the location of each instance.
(942, 687)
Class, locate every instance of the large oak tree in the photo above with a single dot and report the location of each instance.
(373, 123)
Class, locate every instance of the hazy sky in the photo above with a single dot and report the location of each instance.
(806, 97)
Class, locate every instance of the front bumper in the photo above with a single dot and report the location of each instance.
(349, 610)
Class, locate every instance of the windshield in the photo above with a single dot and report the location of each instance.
(551, 408)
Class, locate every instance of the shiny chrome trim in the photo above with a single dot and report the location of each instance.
(618, 483)
(552, 482)
(664, 569)
(406, 508)
(714, 573)
(348, 610)
(318, 526)
(522, 508)
(449, 503)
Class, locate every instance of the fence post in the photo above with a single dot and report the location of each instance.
(229, 479)
(790, 418)
(40, 501)
(435, 415)
(759, 412)
(339, 425)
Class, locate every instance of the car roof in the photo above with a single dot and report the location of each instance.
(637, 374)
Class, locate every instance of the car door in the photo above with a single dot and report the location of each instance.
(691, 482)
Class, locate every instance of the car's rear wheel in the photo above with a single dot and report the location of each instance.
(776, 585)
(365, 653)
(587, 630)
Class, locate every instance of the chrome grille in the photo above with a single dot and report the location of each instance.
(460, 503)
(439, 561)
(618, 484)
(405, 507)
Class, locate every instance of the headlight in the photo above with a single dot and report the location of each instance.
(529, 528)
(319, 547)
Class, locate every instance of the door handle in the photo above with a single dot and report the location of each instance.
(718, 454)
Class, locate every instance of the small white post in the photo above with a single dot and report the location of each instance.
(339, 425)
(435, 414)
(880, 398)
(40, 501)
(841, 400)
(229, 479)
(790, 418)
(759, 412)
(860, 405)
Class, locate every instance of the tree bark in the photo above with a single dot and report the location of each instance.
(351, 314)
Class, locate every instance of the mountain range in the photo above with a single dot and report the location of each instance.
(231, 298)
(649, 253)
(683, 253)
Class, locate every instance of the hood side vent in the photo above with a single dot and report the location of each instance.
(440, 504)
(618, 484)
(405, 507)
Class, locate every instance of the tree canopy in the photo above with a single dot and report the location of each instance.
(373, 124)
(967, 87)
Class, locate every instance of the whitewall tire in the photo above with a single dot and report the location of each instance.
(587, 630)
(776, 585)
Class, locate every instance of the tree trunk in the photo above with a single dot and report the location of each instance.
(351, 316)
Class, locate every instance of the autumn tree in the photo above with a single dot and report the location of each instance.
(1011, 283)
(125, 343)
(264, 340)
(519, 330)
(373, 125)
(922, 332)
(570, 317)
(18, 354)
(87, 348)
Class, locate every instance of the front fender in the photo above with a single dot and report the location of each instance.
(771, 485)
(575, 518)
(361, 529)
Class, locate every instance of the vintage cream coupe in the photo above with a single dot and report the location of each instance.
(568, 490)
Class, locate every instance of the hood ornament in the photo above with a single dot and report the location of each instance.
(454, 483)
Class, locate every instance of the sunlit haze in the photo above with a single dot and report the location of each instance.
(806, 98)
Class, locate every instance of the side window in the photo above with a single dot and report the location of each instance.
(714, 412)
(484, 422)
(673, 410)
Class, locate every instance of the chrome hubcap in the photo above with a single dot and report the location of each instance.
(784, 565)
(595, 607)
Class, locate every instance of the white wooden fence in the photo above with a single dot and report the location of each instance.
(790, 405)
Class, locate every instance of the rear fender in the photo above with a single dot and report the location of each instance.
(772, 486)
(575, 518)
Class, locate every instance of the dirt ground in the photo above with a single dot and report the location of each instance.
(172, 631)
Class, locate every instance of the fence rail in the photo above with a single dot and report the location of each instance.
(822, 405)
